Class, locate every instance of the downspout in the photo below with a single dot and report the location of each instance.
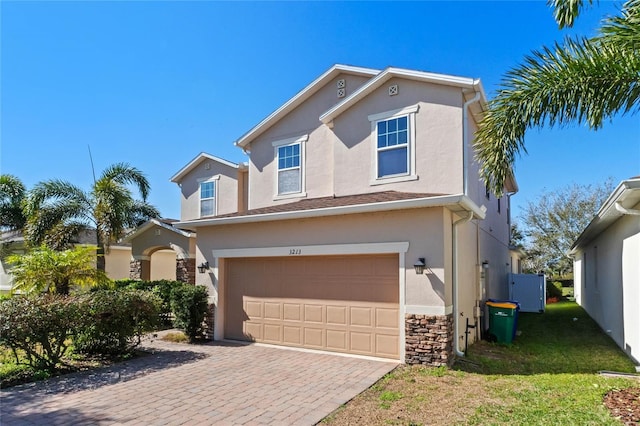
(454, 237)
(465, 141)
(454, 279)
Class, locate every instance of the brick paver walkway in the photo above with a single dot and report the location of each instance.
(217, 383)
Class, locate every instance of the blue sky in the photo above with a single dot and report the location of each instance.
(155, 83)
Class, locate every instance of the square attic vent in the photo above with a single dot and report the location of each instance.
(341, 84)
(393, 90)
(342, 93)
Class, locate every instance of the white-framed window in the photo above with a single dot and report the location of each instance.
(290, 179)
(393, 135)
(208, 196)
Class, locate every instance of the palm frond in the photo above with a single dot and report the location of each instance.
(566, 11)
(12, 195)
(623, 30)
(580, 81)
(126, 174)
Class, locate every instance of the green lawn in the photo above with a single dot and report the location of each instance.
(548, 376)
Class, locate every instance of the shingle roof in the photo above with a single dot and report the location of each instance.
(333, 201)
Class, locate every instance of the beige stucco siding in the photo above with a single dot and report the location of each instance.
(470, 290)
(340, 160)
(318, 158)
(117, 263)
(421, 228)
(226, 189)
(438, 150)
(163, 265)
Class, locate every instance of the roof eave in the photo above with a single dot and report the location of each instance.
(197, 160)
(150, 224)
(387, 74)
(300, 97)
(460, 200)
(606, 213)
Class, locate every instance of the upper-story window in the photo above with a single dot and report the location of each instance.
(208, 197)
(289, 176)
(290, 162)
(394, 145)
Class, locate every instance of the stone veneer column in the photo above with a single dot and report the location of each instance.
(186, 270)
(139, 269)
(135, 269)
(429, 339)
(210, 320)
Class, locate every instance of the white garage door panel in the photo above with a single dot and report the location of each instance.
(337, 303)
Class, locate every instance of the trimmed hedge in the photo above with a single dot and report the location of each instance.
(40, 327)
(189, 305)
(103, 322)
(113, 322)
(162, 288)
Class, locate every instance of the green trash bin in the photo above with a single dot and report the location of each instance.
(502, 320)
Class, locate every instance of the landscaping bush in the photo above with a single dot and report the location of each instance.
(554, 290)
(189, 305)
(39, 327)
(162, 288)
(113, 322)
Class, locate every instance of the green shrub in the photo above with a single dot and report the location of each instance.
(554, 289)
(39, 327)
(162, 288)
(113, 322)
(189, 305)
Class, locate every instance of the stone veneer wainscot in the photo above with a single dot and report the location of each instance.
(429, 339)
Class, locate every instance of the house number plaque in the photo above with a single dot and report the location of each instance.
(295, 251)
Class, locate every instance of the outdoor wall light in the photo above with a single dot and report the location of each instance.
(203, 267)
(485, 264)
(419, 266)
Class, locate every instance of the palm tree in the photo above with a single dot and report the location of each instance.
(12, 196)
(45, 269)
(581, 81)
(58, 210)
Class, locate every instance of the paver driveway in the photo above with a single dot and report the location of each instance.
(218, 383)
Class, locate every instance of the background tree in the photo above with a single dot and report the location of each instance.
(58, 210)
(553, 221)
(46, 270)
(579, 81)
(12, 196)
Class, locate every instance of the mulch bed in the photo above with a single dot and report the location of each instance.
(624, 404)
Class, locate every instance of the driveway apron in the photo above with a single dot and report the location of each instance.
(217, 383)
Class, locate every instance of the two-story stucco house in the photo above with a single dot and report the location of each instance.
(351, 187)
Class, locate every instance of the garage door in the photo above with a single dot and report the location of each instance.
(334, 303)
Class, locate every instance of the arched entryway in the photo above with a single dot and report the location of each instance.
(157, 247)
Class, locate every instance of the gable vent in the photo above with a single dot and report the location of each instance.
(341, 84)
(342, 93)
(393, 90)
(207, 166)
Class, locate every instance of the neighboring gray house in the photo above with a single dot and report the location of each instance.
(607, 267)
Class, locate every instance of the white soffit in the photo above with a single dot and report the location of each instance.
(300, 97)
(627, 193)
